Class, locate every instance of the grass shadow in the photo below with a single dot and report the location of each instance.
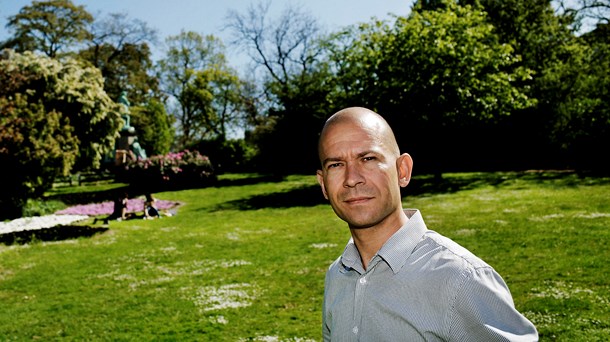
(451, 183)
(307, 196)
(98, 196)
(57, 233)
(249, 180)
(304, 196)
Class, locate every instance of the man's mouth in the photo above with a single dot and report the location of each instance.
(357, 200)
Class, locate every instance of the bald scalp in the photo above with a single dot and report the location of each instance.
(365, 119)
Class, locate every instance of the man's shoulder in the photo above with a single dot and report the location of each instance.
(446, 249)
(335, 265)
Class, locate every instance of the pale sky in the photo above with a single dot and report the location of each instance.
(206, 16)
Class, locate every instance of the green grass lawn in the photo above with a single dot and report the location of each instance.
(245, 261)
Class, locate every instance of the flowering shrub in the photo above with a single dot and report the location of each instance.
(174, 170)
(134, 205)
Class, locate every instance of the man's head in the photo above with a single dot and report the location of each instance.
(362, 169)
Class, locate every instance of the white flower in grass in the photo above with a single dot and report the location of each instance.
(233, 236)
(546, 217)
(219, 320)
(229, 296)
(593, 215)
(277, 339)
(322, 245)
(233, 263)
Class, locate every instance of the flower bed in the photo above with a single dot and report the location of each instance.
(74, 214)
(134, 205)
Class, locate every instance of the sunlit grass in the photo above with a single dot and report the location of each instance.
(245, 261)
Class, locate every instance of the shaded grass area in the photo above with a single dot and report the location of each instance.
(245, 260)
(57, 233)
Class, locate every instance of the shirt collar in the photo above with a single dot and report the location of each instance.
(400, 246)
(396, 250)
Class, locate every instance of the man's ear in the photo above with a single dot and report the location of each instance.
(320, 177)
(404, 166)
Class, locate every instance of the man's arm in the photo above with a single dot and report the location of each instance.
(484, 311)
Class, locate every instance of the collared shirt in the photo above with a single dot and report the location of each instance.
(420, 286)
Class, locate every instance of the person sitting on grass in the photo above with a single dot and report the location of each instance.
(150, 210)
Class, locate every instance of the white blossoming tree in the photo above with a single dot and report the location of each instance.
(54, 116)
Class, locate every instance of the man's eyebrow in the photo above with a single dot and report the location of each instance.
(330, 159)
(359, 155)
(364, 153)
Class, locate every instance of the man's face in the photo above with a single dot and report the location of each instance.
(359, 174)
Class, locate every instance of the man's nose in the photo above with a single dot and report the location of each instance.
(353, 175)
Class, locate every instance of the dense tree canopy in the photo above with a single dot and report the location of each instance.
(55, 117)
(50, 27)
(204, 92)
(119, 47)
(153, 126)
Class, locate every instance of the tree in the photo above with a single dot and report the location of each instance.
(189, 74)
(55, 116)
(568, 123)
(441, 73)
(287, 53)
(285, 48)
(153, 126)
(219, 95)
(580, 102)
(119, 47)
(50, 27)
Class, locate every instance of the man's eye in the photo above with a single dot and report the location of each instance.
(368, 158)
(333, 165)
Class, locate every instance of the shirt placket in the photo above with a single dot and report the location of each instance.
(360, 295)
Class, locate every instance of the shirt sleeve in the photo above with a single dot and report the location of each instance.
(484, 311)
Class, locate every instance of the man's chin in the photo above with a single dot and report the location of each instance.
(359, 227)
(360, 224)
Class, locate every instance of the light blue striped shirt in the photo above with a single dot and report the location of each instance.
(420, 286)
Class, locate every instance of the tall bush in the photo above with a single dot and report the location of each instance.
(54, 117)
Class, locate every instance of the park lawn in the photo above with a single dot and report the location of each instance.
(245, 261)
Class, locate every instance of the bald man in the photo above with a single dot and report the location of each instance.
(396, 280)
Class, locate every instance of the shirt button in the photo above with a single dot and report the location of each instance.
(362, 280)
(355, 330)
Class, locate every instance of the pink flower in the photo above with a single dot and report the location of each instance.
(105, 208)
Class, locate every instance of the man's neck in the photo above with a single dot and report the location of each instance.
(370, 240)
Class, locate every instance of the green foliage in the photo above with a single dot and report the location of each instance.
(124, 69)
(568, 124)
(49, 26)
(120, 48)
(55, 117)
(153, 126)
(185, 169)
(36, 207)
(579, 101)
(437, 75)
(233, 155)
(216, 93)
(444, 66)
(195, 74)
